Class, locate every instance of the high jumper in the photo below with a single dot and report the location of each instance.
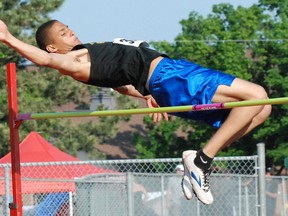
(133, 69)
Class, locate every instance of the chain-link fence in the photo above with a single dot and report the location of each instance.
(276, 196)
(136, 188)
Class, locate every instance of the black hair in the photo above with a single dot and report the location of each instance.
(42, 36)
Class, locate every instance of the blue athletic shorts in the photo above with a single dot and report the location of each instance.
(180, 83)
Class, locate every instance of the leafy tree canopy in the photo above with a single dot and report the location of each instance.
(250, 43)
(44, 90)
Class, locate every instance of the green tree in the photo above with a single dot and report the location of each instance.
(247, 42)
(44, 90)
(22, 18)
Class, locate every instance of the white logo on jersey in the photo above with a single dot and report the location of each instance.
(135, 43)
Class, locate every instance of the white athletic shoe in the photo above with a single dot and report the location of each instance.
(186, 183)
(199, 178)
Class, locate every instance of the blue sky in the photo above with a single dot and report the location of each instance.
(98, 20)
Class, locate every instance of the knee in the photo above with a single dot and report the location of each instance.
(264, 111)
(261, 117)
(259, 93)
(267, 109)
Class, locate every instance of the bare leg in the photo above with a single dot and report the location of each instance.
(241, 120)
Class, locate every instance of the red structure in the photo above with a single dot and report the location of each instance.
(16, 205)
(43, 146)
(35, 148)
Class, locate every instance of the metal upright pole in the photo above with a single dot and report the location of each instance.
(16, 205)
(261, 178)
(130, 182)
(7, 190)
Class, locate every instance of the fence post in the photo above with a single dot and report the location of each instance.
(163, 209)
(7, 189)
(284, 197)
(261, 178)
(130, 182)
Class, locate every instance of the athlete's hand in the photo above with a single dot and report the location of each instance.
(3, 31)
(157, 117)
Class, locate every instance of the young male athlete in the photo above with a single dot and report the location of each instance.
(135, 70)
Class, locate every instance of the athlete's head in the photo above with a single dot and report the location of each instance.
(55, 37)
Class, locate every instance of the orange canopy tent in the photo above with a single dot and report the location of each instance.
(44, 178)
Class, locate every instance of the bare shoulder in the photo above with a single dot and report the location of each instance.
(81, 54)
(73, 64)
(78, 70)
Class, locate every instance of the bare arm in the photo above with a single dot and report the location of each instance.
(150, 101)
(30, 52)
(130, 91)
(67, 64)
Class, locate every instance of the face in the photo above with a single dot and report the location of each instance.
(62, 38)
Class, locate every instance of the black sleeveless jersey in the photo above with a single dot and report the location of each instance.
(120, 63)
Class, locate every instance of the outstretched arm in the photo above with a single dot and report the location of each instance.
(30, 52)
(150, 101)
(67, 64)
